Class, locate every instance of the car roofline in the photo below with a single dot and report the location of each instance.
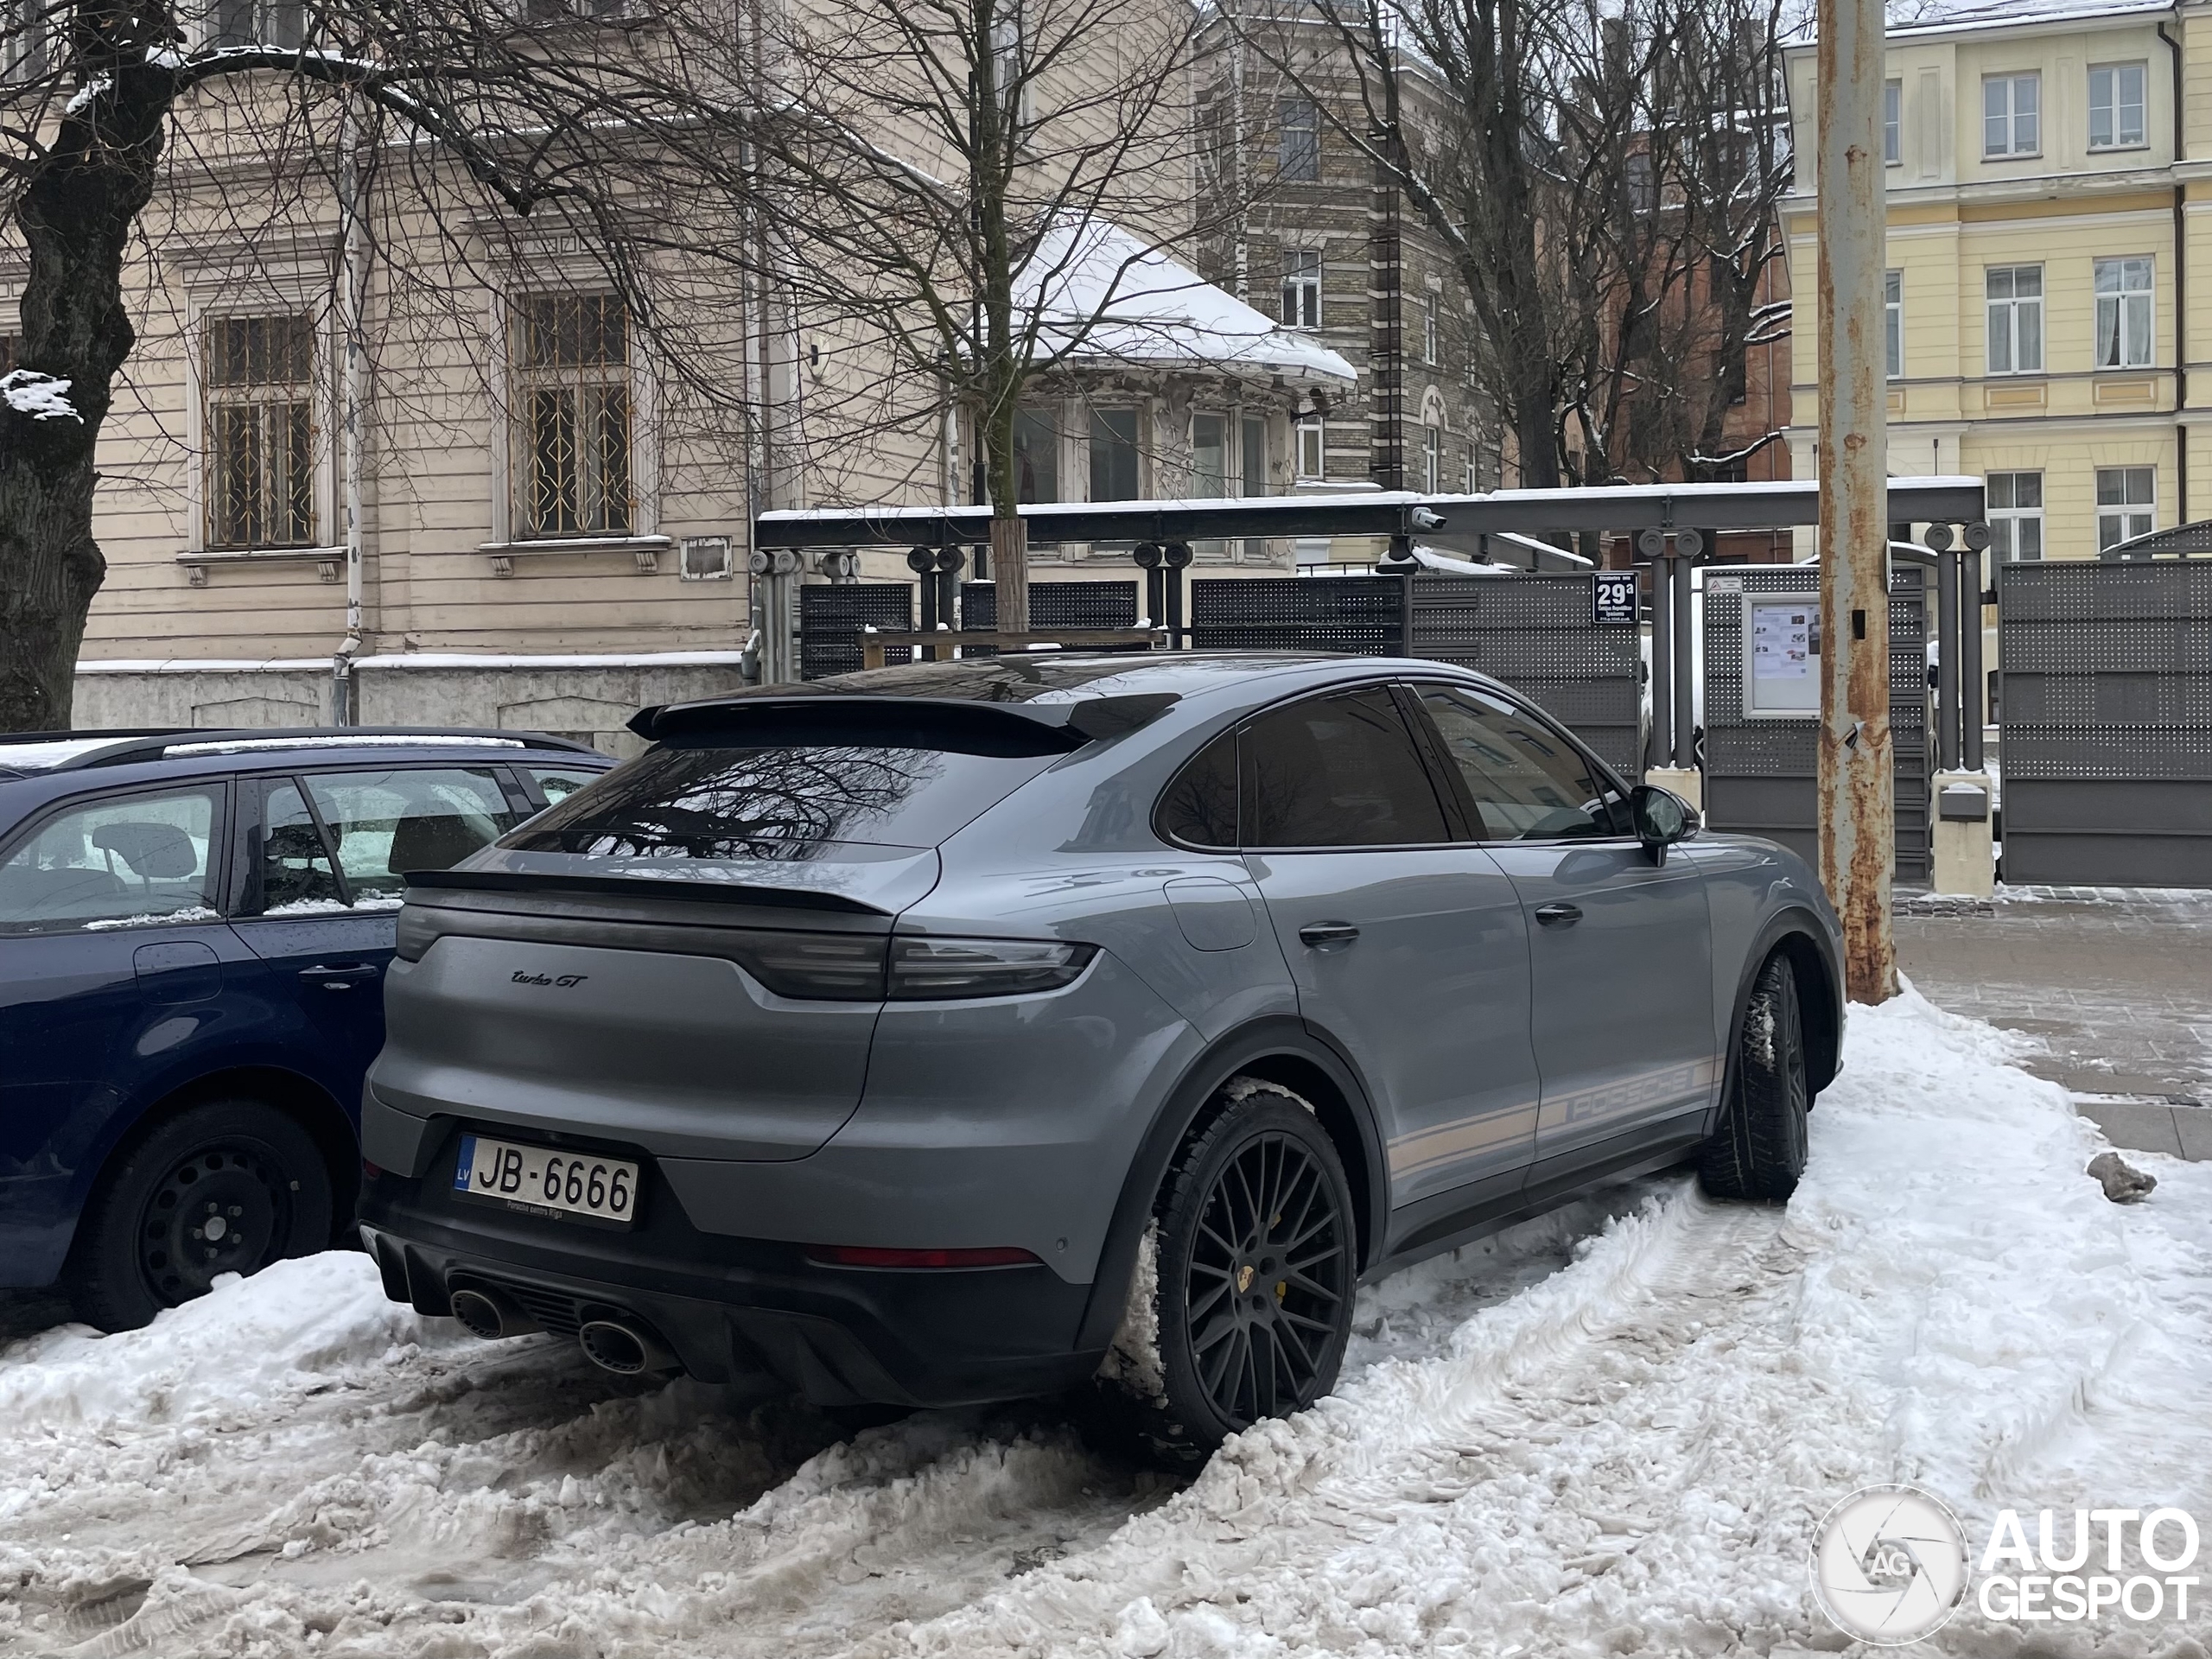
(206, 743)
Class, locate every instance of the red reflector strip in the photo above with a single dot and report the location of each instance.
(868, 1255)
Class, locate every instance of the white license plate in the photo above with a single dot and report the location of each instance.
(546, 1181)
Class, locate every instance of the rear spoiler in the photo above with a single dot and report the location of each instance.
(793, 714)
(637, 887)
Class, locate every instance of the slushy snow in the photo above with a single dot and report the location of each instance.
(1610, 1431)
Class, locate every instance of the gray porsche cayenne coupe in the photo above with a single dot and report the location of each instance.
(965, 1031)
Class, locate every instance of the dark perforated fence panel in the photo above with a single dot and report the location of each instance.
(2106, 705)
(1762, 776)
(1055, 605)
(1535, 634)
(831, 616)
(1360, 614)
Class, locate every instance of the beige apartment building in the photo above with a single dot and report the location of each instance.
(2050, 180)
(553, 507)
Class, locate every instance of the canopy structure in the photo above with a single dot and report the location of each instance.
(1103, 297)
(1448, 523)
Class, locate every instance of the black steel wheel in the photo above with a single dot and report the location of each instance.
(1254, 1262)
(1760, 1148)
(227, 1187)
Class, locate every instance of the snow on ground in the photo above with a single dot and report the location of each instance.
(1611, 1431)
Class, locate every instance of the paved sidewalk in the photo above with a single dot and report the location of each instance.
(2114, 984)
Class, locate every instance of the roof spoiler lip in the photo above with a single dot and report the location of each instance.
(1094, 719)
(636, 886)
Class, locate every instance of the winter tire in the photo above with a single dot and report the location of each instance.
(1243, 1300)
(227, 1187)
(1759, 1150)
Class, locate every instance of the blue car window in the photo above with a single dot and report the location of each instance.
(1339, 771)
(1527, 782)
(382, 824)
(119, 861)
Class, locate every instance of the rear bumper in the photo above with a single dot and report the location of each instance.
(736, 1310)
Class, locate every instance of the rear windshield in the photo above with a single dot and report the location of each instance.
(777, 800)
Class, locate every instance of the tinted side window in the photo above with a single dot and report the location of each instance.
(561, 782)
(1339, 771)
(1199, 808)
(1527, 782)
(132, 861)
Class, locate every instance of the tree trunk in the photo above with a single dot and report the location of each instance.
(76, 216)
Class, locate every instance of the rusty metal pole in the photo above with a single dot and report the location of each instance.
(1858, 785)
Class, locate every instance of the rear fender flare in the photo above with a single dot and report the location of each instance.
(1279, 1036)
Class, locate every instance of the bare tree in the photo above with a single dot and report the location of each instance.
(984, 184)
(1606, 182)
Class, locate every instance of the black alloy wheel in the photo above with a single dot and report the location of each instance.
(1266, 1280)
(1760, 1149)
(1256, 1264)
(225, 1186)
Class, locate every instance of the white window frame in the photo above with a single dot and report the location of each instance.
(2111, 80)
(1893, 323)
(2022, 128)
(1301, 287)
(2012, 523)
(2015, 320)
(2126, 317)
(2137, 511)
(1311, 453)
(1893, 123)
(1429, 331)
(1432, 458)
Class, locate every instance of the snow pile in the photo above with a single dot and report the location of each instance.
(242, 1343)
(39, 396)
(1631, 1456)
(1608, 1431)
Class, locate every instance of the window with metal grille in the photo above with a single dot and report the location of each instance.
(2123, 313)
(2127, 503)
(2015, 508)
(2116, 106)
(259, 385)
(1301, 287)
(572, 403)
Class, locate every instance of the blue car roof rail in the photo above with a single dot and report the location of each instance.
(159, 745)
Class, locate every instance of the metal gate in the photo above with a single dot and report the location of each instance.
(1762, 774)
(2106, 710)
(1537, 633)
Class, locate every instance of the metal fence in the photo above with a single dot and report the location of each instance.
(2106, 701)
(1537, 633)
(1762, 774)
(832, 616)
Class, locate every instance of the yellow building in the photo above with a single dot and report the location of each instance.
(2046, 224)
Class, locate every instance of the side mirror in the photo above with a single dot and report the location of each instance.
(1662, 818)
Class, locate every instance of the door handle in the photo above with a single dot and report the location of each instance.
(1318, 934)
(1559, 915)
(339, 975)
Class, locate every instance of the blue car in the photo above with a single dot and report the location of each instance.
(194, 931)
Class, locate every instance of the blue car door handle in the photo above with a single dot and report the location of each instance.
(339, 975)
(1559, 915)
(1318, 934)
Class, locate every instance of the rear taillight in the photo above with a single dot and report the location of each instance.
(836, 967)
(869, 1256)
(925, 970)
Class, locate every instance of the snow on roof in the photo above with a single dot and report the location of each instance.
(1103, 296)
(1908, 18)
(47, 753)
(339, 740)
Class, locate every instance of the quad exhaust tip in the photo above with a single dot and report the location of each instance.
(488, 1314)
(624, 1348)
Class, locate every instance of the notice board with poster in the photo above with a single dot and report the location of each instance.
(1782, 657)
